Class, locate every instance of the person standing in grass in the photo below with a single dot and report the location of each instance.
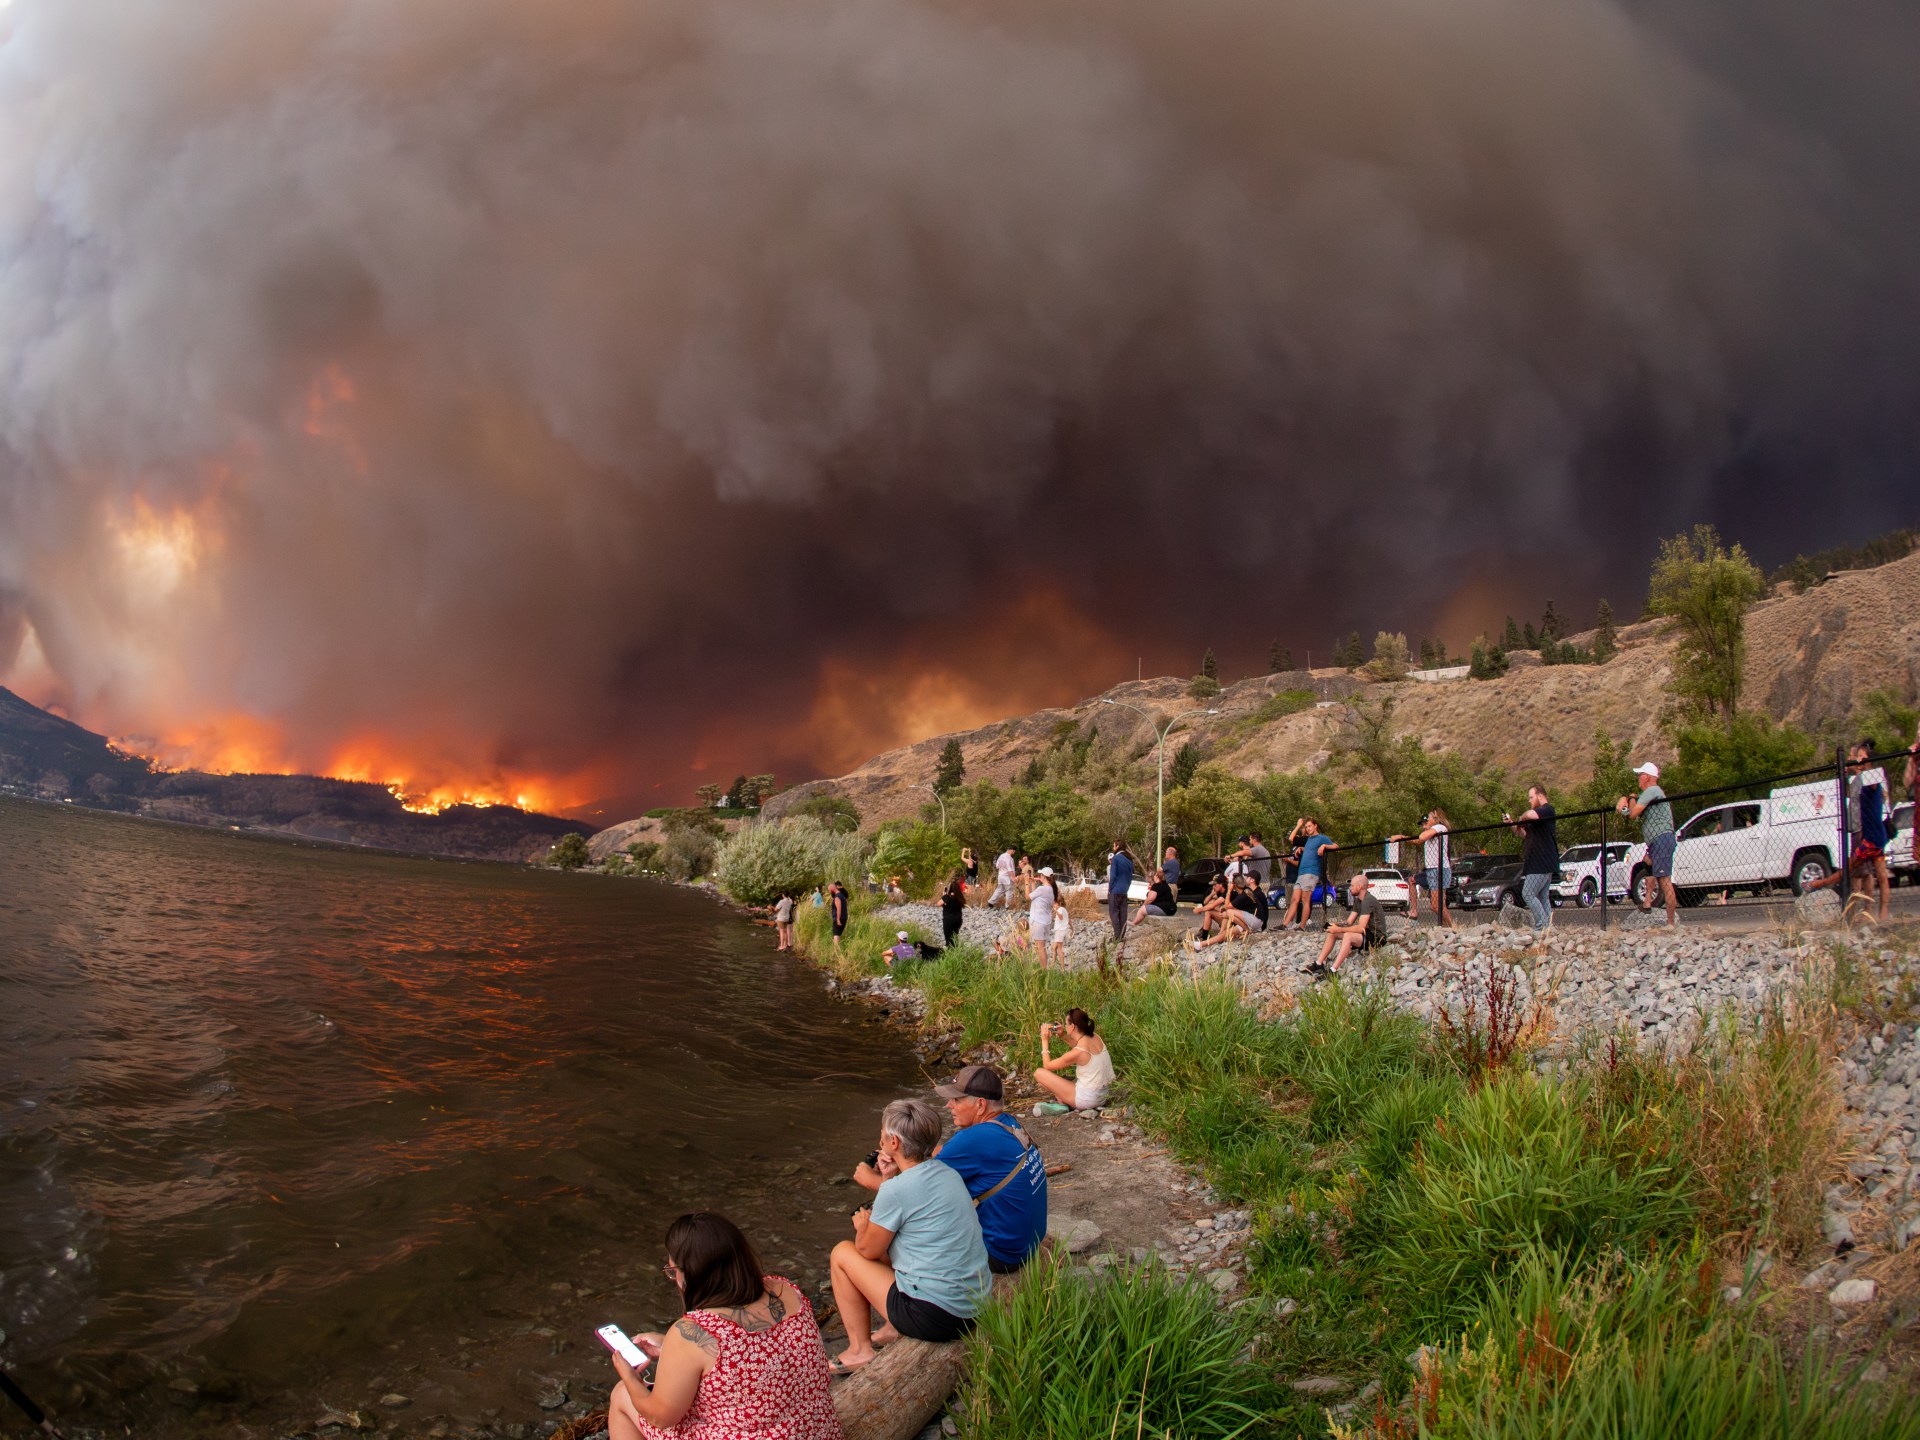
(917, 1256)
(1539, 855)
(953, 908)
(1087, 1053)
(1040, 910)
(1655, 815)
(1119, 884)
(837, 911)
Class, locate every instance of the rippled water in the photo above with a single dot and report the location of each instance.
(269, 1112)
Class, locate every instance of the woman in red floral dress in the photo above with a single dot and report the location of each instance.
(745, 1363)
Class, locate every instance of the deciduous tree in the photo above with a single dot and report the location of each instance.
(1704, 588)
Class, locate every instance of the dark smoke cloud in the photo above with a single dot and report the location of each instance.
(533, 384)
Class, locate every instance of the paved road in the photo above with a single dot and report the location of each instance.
(1743, 913)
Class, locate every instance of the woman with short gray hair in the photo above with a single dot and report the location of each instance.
(917, 1256)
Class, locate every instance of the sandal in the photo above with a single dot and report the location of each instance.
(838, 1369)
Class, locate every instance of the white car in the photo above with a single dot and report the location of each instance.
(1903, 856)
(1579, 878)
(1388, 886)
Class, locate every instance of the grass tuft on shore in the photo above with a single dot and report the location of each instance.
(1072, 1356)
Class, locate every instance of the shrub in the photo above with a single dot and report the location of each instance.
(687, 851)
(1133, 1352)
(921, 855)
(570, 853)
(1203, 687)
(836, 812)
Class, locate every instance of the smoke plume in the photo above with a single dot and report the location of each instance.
(488, 392)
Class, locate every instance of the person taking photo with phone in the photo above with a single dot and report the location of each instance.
(745, 1360)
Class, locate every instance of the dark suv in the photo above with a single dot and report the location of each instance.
(1495, 887)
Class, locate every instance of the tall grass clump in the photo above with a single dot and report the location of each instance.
(1065, 1356)
(1513, 1167)
(1628, 1349)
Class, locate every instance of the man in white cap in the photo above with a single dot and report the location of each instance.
(903, 950)
(1656, 828)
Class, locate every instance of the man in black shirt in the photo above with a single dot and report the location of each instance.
(1539, 856)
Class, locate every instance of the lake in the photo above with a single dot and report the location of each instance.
(287, 1128)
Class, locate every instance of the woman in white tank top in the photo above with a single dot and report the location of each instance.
(1093, 1077)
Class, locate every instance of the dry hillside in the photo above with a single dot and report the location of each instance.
(1809, 657)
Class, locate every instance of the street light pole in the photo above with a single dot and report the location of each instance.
(942, 802)
(1160, 791)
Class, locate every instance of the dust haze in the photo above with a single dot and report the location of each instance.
(600, 392)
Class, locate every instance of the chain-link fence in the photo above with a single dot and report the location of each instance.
(1840, 827)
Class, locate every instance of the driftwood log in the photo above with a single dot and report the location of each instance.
(899, 1391)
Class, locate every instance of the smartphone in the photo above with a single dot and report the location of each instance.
(615, 1339)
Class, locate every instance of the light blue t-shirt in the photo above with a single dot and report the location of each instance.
(937, 1253)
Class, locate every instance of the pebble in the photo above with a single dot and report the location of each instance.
(1853, 1292)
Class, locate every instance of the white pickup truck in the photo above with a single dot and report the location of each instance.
(1790, 838)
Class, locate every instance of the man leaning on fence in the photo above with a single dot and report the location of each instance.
(1539, 856)
(1655, 815)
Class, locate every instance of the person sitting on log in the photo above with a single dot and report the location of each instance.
(745, 1360)
(1002, 1167)
(917, 1256)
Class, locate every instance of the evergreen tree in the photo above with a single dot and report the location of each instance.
(1209, 666)
(1487, 661)
(1427, 661)
(1279, 658)
(1551, 626)
(1605, 643)
(1186, 760)
(1511, 639)
(1352, 653)
(951, 770)
(1440, 653)
(1529, 640)
(738, 793)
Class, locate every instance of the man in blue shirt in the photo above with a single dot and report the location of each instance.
(1170, 863)
(1313, 847)
(1119, 882)
(1002, 1166)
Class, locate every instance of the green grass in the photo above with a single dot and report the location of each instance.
(1401, 1201)
(1066, 1356)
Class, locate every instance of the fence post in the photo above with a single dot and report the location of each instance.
(1843, 889)
(1605, 869)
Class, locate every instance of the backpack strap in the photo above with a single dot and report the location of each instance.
(1026, 1143)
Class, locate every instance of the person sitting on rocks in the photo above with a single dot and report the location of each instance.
(917, 1256)
(1212, 913)
(1365, 927)
(1245, 913)
(1002, 1167)
(745, 1359)
(1087, 1052)
(1161, 902)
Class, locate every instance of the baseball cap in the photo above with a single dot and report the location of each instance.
(901, 935)
(975, 1082)
(1046, 870)
(1651, 770)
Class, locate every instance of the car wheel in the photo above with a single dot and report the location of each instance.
(1809, 867)
(1644, 889)
(1588, 894)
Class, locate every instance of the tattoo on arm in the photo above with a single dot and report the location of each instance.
(690, 1330)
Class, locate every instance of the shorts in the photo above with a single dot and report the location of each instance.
(1308, 883)
(1041, 934)
(1154, 912)
(1088, 1099)
(1660, 855)
(1436, 882)
(1252, 922)
(922, 1319)
(839, 928)
(1865, 852)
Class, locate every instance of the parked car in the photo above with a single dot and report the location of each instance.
(1197, 877)
(1467, 870)
(1579, 879)
(1790, 838)
(1389, 887)
(1902, 861)
(1492, 888)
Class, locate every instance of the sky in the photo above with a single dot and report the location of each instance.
(577, 402)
